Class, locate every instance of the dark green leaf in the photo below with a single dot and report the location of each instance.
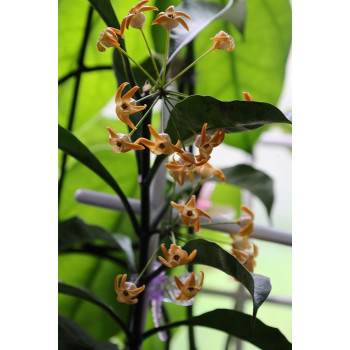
(213, 255)
(85, 294)
(68, 143)
(255, 181)
(188, 116)
(202, 14)
(73, 337)
(75, 231)
(237, 324)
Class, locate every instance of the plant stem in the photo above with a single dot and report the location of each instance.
(138, 65)
(188, 67)
(176, 93)
(144, 116)
(165, 55)
(150, 53)
(146, 266)
(219, 223)
(148, 96)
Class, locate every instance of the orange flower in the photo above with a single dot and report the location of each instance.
(248, 96)
(108, 38)
(246, 257)
(207, 171)
(190, 288)
(170, 19)
(206, 142)
(223, 41)
(246, 222)
(121, 142)
(162, 145)
(135, 18)
(125, 106)
(180, 176)
(189, 213)
(126, 290)
(176, 256)
(186, 162)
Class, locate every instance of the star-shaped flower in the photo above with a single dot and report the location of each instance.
(163, 143)
(108, 38)
(207, 171)
(223, 41)
(126, 290)
(246, 257)
(206, 142)
(136, 18)
(190, 288)
(121, 142)
(176, 256)
(170, 19)
(189, 213)
(246, 222)
(186, 163)
(180, 175)
(125, 106)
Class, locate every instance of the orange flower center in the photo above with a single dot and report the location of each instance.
(170, 16)
(161, 146)
(119, 144)
(176, 257)
(206, 146)
(189, 213)
(125, 293)
(124, 105)
(190, 289)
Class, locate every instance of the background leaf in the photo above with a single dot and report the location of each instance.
(76, 231)
(213, 255)
(256, 181)
(73, 337)
(238, 324)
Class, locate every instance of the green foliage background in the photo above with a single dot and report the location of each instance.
(262, 32)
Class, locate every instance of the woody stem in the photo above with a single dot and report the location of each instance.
(144, 116)
(166, 55)
(188, 67)
(140, 67)
(150, 53)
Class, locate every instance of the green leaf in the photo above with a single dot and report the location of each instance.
(255, 181)
(73, 337)
(237, 324)
(68, 143)
(75, 231)
(202, 14)
(188, 116)
(85, 294)
(257, 64)
(213, 255)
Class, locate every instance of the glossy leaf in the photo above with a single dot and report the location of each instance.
(85, 294)
(75, 231)
(188, 116)
(237, 324)
(202, 14)
(68, 143)
(213, 255)
(256, 181)
(71, 336)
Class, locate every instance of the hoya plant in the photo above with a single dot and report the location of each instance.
(185, 78)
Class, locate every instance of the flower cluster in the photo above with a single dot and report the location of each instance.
(182, 162)
(242, 249)
(174, 257)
